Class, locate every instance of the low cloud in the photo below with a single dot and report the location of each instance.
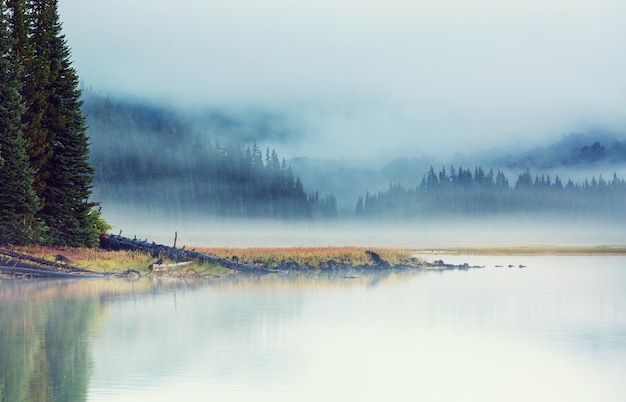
(367, 78)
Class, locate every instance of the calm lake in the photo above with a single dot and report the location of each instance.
(553, 331)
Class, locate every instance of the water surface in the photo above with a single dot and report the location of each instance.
(555, 330)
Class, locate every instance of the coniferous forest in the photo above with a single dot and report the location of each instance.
(149, 157)
(461, 192)
(45, 171)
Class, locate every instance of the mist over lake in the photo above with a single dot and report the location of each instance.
(211, 231)
(421, 126)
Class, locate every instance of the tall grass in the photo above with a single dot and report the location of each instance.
(93, 259)
(310, 256)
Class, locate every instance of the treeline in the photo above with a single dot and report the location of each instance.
(45, 172)
(151, 158)
(479, 193)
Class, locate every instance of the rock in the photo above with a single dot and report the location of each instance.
(374, 256)
(63, 259)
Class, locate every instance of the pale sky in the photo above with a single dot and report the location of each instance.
(376, 76)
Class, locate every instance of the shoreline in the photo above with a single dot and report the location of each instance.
(526, 249)
(287, 260)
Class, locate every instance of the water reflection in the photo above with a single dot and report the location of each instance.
(44, 353)
(553, 331)
(46, 335)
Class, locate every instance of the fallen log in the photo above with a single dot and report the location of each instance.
(56, 265)
(45, 273)
(27, 265)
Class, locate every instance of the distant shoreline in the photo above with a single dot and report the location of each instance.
(527, 249)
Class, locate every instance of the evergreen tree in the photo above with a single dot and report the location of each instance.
(524, 180)
(68, 174)
(19, 23)
(18, 202)
(31, 49)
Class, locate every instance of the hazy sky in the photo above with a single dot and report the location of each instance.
(369, 75)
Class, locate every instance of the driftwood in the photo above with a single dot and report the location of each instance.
(60, 265)
(31, 266)
(45, 273)
(165, 267)
(117, 242)
(25, 257)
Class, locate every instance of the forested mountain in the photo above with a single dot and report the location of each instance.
(574, 155)
(152, 157)
(463, 192)
(573, 150)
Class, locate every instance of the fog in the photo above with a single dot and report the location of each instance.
(368, 79)
(424, 234)
(355, 95)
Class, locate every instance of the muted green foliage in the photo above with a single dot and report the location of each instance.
(18, 202)
(65, 205)
(31, 48)
(44, 355)
(57, 166)
(147, 156)
(97, 222)
(461, 192)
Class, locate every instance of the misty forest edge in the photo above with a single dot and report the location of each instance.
(169, 168)
(48, 170)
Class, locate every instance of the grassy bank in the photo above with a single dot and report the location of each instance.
(100, 260)
(317, 257)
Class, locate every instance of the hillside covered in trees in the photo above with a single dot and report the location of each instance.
(461, 192)
(153, 158)
(593, 149)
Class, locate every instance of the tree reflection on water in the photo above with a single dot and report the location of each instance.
(44, 337)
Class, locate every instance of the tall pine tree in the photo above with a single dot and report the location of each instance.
(34, 57)
(54, 127)
(18, 202)
(69, 175)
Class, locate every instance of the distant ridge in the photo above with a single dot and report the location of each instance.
(573, 150)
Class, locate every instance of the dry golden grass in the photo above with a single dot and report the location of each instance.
(92, 258)
(99, 260)
(315, 257)
(312, 256)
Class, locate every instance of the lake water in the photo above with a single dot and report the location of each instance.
(553, 331)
